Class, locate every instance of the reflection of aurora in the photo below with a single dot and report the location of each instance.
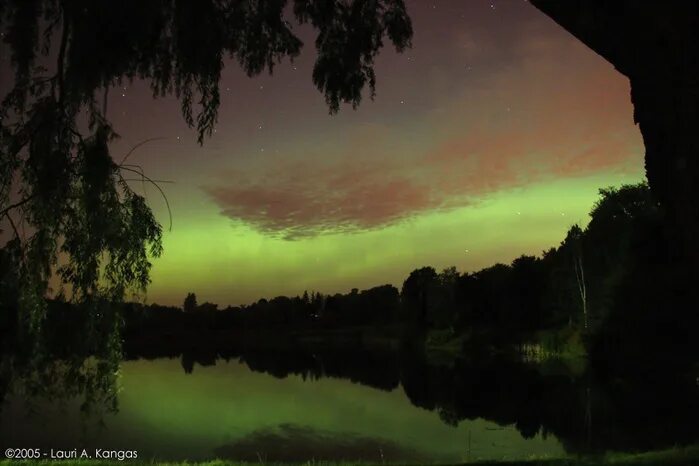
(393, 401)
(165, 412)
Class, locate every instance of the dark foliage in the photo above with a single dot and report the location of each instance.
(56, 169)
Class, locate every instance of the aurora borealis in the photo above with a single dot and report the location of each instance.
(485, 141)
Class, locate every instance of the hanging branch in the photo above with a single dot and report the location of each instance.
(12, 223)
(141, 179)
(105, 98)
(131, 151)
(6, 210)
(61, 56)
(154, 183)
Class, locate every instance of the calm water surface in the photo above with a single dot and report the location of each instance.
(227, 410)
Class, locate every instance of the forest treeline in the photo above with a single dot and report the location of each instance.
(611, 284)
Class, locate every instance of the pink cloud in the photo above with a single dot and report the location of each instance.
(545, 117)
(305, 202)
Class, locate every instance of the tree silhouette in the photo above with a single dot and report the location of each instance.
(58, 174)
(190, 303)
(418, 292)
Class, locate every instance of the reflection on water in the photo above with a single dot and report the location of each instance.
(227, 410)
(362, 405)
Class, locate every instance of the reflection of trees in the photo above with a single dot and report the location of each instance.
(628, 414)
(375, 369)
(92, 381)
(74, 356)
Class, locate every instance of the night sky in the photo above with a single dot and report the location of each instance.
(488, 139)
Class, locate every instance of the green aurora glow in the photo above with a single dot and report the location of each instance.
(481, 136)
(227, 263)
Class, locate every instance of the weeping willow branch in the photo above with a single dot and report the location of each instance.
(131, 151)
(61, 56)
(154, 183)
(6, 210)
(141, 179)
(12, 223)
(105, 98)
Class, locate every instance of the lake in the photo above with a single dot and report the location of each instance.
(228, 410)
(297, 406)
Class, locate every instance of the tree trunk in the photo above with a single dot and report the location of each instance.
(654, 44)
(668, 116)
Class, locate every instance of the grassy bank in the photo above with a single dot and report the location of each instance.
(688, 456)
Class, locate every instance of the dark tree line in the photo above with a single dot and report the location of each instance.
(611, 284)
(608, 284)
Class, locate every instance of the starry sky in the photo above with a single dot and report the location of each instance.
(488, 139)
